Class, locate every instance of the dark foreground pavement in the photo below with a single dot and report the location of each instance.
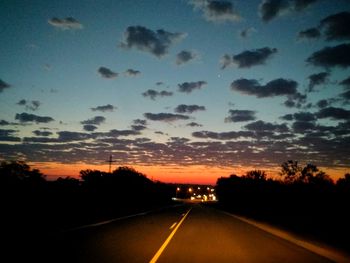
(204, 235)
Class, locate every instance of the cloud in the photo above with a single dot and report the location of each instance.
(222, 135)
(304, 116)
(182, 108)
(167, 117)
(322, 103)
(336, 27)
(194, 124)
(345, 83)
(97, 120)
(153, 94)
(248, 58)
(3, 85)
(302, 4)
(132, 73)
(345, 96)
(104, 108)
(217, 11)
(4, 123)
(185, 56)
(30, 105)
(140, 122)
(240, 116)
(259, 126)
(155, 42)
(89, 127)
(68, 23)
(8, 136)
(42, 133)
(245, 33)
(269, 9)
(188, 87)
(311, 33)
(68, 136)
(25, 117)
(107, 73)
(317, 79)
(331, 57)
(303, 126)
(276, 87)
(138, 127)
(334, 113)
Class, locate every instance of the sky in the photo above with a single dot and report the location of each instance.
(181, 90)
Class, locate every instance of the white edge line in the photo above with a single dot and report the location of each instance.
(108, 221)
(118, 218)
(326, 252)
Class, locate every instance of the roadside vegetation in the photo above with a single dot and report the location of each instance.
(304, 200)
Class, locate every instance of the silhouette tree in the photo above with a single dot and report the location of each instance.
(16, 172)
(258, 175)
(291, 170)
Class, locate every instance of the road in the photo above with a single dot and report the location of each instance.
(185, 233)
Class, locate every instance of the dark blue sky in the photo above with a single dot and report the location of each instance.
(176, 84)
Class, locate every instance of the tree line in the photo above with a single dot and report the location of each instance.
(304, 199)
(29, 199)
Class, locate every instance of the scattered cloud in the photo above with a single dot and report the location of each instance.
(303, 126)
(4, 123)
(247, 32)
(240, 116)
(337, 56)
(194, 124)
(3, 85)
(185, 56)
(89, 127)
(97, 120)
(248, 58)
(68, 23)
(167, 117)
(276, 87)
(188, 87)
(302, 4)
(182, 108)
(345, 83)
(311, 33)
(155, 42)
(29, 105)
(260, 126)
(333, 113)
(104, 108)
(216, 11)
(25, 117)
(222, 135)
(107, 73)
(132, 72)
(42, 133)
(317, 79)
(7, 135)
(153, 94)
(269, 9)
(336, 26)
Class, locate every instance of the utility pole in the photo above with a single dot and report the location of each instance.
(110, 161)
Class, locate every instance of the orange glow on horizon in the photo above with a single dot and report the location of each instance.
(196, 174)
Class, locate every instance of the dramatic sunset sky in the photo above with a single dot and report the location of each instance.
(181, 90)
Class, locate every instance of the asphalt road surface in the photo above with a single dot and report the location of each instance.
(184, 233)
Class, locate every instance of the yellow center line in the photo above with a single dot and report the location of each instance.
(173, 225)
(160, 251)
